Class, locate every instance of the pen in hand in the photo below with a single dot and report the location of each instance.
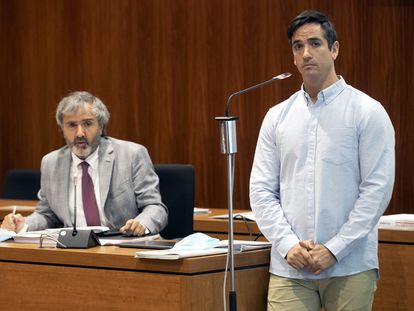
(14, 216)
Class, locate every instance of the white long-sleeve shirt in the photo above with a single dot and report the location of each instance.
(324, 171)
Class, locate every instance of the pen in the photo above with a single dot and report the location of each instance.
(14, 215)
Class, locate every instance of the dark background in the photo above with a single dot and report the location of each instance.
(166, 67)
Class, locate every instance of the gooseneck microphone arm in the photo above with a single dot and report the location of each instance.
(228, 144)
(279, 77)
(75, 181)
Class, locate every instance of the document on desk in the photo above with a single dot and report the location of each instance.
(33, 237)
(397, 222)
(241, 245)
(237, 216)
(116, 240)
(171, 254)
(200, 211)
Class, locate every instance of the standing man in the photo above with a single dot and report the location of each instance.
(115, 182)
(322, 176)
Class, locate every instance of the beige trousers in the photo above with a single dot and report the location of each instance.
(353, 292)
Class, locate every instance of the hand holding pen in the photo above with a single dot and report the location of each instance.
(13, 222)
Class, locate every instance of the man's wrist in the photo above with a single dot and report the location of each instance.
(24, 228)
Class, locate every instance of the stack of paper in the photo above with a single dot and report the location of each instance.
(33, 237)
(171, 254)
(200, 210)
(116, 240)
(397, 222)
(241, 246)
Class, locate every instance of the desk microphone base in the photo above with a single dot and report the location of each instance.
(84, 238)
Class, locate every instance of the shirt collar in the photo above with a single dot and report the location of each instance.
(327, 95)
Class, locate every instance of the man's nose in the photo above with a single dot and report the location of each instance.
(79, 131)
(306, 52)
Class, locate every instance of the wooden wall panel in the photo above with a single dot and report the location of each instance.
(165, 69)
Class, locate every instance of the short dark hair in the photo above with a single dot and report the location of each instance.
(313, 17)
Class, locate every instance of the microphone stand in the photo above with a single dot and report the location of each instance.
(75, 181)
(228, 146)
(228, 143)
(76, 238)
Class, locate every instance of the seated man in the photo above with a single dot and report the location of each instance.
(114, 180)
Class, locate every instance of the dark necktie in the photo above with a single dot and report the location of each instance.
(90, 207)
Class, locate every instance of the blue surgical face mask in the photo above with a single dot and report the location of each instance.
(196, 241)
(6, 234)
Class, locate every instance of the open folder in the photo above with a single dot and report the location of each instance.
(172, 254)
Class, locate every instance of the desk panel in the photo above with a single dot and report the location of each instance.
(396, 257)
(110, 278)
(396, 284)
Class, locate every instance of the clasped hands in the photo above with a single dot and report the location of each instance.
(316, 258)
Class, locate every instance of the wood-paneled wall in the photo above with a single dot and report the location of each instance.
(166, 67)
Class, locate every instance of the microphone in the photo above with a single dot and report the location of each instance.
(228, 139)
(74, 238)
(228, 144)
(279, 77)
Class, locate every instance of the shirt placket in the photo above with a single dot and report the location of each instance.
(310, 170)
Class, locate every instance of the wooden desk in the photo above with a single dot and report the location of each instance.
(396, 257)
(396, 284)
(110, 278)
(219, 227)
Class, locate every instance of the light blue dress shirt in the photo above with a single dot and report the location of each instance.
(324, 171)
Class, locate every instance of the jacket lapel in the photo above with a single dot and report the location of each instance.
(62, 180)
(106, 163)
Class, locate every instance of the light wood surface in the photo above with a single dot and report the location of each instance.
(396, 255)
(396, 284)
(24, 207)
(396, 236)
(243, 230)
(110, 278)
(123, 258)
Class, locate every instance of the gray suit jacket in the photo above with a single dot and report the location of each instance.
(129, 187)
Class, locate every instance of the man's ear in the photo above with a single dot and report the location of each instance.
(335, 50)
(103, 131)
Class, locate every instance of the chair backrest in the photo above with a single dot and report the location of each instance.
(21, 184)
(177, 188)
